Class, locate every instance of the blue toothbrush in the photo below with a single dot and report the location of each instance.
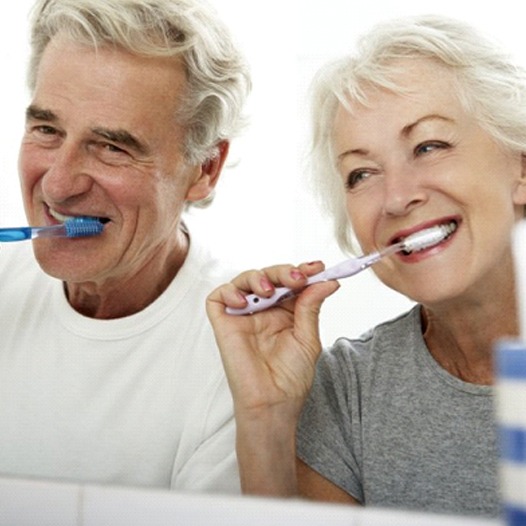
(75, 227)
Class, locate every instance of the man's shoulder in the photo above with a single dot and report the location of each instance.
(202, 265)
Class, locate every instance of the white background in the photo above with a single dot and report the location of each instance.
(263, 213)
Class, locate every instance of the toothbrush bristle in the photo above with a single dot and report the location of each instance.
(83, 227)
(426, 238)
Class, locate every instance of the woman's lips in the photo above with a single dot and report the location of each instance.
(429, 237)
(452, 222)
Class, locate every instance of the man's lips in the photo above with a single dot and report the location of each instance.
(65, 217)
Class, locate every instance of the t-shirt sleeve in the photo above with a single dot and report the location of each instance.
(329, 434)
(206, 458)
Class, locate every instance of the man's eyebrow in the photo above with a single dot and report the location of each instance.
(121, 137)
(39, 114)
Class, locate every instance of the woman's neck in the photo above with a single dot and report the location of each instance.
(461, 338)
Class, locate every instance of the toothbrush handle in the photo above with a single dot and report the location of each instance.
(30, 232)
(77, 227)
(15, 234)
(345, 269)
(257, 303)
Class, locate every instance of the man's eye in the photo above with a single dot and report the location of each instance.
(112, 148)
(44, 134)
(109, 153)
(45, 130)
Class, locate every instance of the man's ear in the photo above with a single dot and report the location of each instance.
(209, 174)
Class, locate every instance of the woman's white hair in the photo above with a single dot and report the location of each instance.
(490, 86)
(217, 73)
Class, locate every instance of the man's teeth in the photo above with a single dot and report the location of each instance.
(59, 217)
(63, 218)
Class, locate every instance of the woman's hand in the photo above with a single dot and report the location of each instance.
(270, 356)
(270, 359)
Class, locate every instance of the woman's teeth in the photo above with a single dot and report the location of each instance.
(442, 233)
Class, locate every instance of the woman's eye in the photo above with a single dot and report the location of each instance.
(356, 177)
(430, 146)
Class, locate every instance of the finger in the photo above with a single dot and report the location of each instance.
(307, 313)
(312, 268)
(227, 295)
(263, 282)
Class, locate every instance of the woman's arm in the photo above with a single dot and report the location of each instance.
(269, 359)
(313, 486)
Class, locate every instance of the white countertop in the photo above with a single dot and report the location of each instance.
(40, 503)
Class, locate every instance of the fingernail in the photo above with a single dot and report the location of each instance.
(241, 297)
(296, 275)
(266, 285)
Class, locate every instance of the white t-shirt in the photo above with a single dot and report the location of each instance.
(140, 400)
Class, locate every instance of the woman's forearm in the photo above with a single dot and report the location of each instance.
(266, 454)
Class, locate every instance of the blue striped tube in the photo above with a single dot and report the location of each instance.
(511, 414)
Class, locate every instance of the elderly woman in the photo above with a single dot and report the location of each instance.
(425, 126)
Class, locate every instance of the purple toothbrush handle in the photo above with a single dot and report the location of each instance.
(256, 303)
(346, 268)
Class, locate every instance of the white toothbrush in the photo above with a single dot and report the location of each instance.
(417, 241)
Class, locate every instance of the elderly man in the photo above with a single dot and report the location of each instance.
(108, 370)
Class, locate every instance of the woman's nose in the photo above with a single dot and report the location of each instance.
(403, 191)
(67, 175)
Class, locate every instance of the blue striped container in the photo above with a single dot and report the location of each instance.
(511, 415)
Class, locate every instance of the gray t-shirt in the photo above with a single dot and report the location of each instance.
(391, 427)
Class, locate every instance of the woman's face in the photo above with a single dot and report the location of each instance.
(417, 160)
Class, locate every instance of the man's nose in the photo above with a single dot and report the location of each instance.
(68, 174)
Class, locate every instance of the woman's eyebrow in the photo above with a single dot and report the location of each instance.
(361, 152)
(407, 130)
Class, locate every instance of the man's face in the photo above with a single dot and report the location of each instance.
(102, 140)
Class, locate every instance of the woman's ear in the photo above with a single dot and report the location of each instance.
(209, 174)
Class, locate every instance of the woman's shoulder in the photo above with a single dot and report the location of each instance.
(402, 332)
(389, 350)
